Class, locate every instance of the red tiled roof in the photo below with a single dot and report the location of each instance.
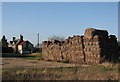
(22, 42)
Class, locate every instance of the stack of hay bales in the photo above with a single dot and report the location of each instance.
(45, 50)
(51, 50)
(113, 47)
(70, 50)
(92, 48)
(76, 49)
(95, 45)
(65, 50)
(56, 50)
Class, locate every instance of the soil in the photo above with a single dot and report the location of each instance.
(23, 63)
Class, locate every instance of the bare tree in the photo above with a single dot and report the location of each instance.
(54, 37)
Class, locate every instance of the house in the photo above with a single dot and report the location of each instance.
(14, 43)
(25, 47)
(21, 46)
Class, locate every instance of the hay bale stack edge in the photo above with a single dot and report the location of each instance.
(96, 46)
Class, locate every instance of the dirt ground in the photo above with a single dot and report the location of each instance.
(26, 63)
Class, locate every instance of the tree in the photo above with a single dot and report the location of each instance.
(59, 38)
(4, 42)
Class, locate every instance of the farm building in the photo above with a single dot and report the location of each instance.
(21, 46)
(25, 47)
(14, 43)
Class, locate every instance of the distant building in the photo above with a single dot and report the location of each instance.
(21, 46)
(15, 43)
(25, 47)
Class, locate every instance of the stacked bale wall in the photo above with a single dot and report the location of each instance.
(51, 50)
(70, 50)
(113, 48)
(95, 45)
(92, 48)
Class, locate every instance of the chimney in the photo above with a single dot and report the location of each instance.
(21, 37)
(13, 38)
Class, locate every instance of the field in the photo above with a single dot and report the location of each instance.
(32, 67)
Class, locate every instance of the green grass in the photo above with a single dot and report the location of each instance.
(33, 58)
(106, 69)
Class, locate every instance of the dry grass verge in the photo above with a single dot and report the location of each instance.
(94, 72)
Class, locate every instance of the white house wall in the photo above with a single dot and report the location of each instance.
(19, 47)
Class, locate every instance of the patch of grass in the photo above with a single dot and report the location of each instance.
(93, 72)
(33, 58)
(106, 69)
(31, 74)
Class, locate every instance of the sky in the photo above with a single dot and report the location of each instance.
(60, 0)
(57, 18)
